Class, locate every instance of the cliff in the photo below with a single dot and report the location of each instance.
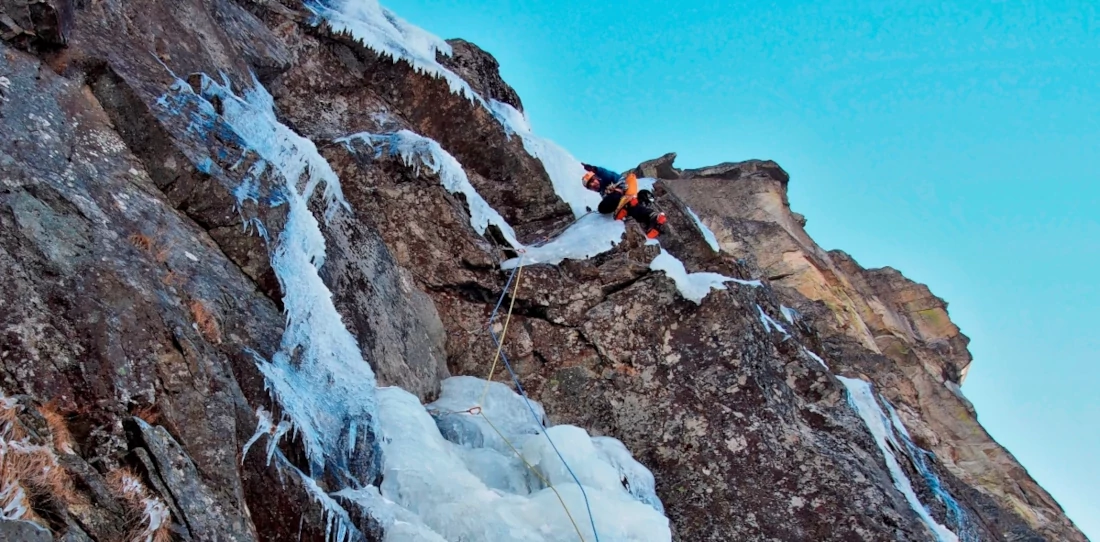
(250, 249)
(871, 322)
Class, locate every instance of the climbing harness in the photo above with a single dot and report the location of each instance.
(477, 410)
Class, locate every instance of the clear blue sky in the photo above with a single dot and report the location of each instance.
(957, 142)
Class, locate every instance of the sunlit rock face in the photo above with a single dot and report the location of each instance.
(873, 322)
(251, 251)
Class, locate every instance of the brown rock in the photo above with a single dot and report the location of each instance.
(134, 288)
(36, 23)
(481, 70)
(877, 323)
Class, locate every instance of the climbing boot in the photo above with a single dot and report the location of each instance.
(658, 221)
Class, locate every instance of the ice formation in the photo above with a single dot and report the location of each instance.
(266, 426)
(590, 235)
(456, 481)
(318, 376)
(565, 171)
(707, 234)
(380, 30)
(383, 32)
(789, 314)
(399, 524)
(693, 286)
(470, 485)
(815, 357)
(418, 151)
(919, 459)
(862, 398)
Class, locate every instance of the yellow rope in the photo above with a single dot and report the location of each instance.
(537, 473)
(479, 410)
(503, 334)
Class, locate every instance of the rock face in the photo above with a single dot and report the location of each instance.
(481, 70)
(139, 219)
(873, 322)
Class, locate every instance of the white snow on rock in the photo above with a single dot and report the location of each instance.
(693, 286)
(383, 32)
(770, 323)
(707, 234)
(566, 172)
(862, 398)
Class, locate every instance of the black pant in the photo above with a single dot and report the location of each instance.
(643, 214)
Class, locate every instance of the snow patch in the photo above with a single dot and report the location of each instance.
(564, 170)
(693, 286)
(769, 323)
(862, 398)
(707, 234)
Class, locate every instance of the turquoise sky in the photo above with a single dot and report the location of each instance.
(959, 143)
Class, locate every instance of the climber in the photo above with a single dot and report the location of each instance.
(622, 198)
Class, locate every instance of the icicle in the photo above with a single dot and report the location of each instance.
(419, 151)
(383, 32)
(318, 376)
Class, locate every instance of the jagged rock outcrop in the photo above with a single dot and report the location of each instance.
(139, 222)
(874, 322)
(481, 70)
(36, 23)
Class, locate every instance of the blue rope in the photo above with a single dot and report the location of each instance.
(527, 401)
